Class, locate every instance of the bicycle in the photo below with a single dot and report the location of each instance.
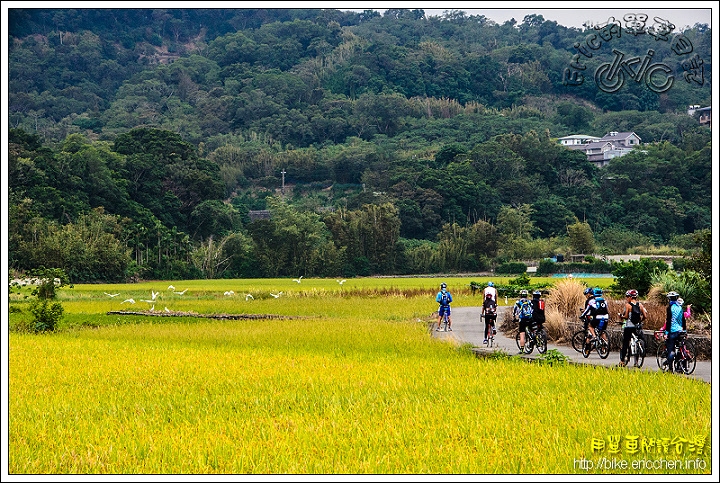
(491, 333)
(443, 323)
(535, 336)
(685, 355)
(578, 339)
(581, 338)
(598, 343)
(636, 350)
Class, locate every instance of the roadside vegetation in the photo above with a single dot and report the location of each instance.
(344, 384)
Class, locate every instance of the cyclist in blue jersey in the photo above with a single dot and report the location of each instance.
(674, 326)
(444, 299)
(522, 311)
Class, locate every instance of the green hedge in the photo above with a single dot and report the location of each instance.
(511, 268)
(597, 266)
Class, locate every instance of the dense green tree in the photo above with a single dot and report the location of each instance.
(181, 121)
(581, 237)
(87, 251)
(166, 175)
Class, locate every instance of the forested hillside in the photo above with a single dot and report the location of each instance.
(141, 139)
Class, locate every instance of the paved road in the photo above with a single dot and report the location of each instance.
(467, 327)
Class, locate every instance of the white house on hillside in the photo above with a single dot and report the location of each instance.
(575, 140)
(601, 150)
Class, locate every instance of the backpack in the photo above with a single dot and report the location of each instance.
(601, 307)
(538, 311)
(526, 309)
(444, 300)
(491, 308)
(635, 313)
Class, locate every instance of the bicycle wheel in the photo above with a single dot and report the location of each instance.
(541, 342)
(578, 340)
(662, 357)
(603, 348)
(688, 361)
(517, 340)
(529, 343)
(639, 353)
(586, 349)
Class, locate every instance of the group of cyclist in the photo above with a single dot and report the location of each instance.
(595, 316)
(529, 313)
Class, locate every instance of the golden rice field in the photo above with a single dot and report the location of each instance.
(350, 382)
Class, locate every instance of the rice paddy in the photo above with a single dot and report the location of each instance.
(350, 382)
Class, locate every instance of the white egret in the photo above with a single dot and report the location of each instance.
(167, 309)
(154, 294)
(297, 279)
(229, 292)
(111, 295)
(171, 287)
(276, 295)
(249, 296)
(182, 293)
(130, 301)
(341, 281)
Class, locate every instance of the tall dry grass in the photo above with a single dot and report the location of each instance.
(563, 304)
(565, 301)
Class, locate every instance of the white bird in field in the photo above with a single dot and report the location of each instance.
(297, 279)
(167, 309)
(130, 301)
(171, 287)
(154, 294)
(229, 292)
(148, 301)
(341, 281)
(111, 295)
(249, 297)
(152, 309)
(182, 293)
(276, 295)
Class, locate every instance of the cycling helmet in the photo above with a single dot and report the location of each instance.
(588, 291)
(673, 295)
(490, 284)
(537, 294)
(443, 285)
(597, 291)
(632, 293)
(523, 293)
(488, 296)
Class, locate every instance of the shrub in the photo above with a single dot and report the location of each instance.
(636, 274)
(46, 314)
(553, 356)
(546, 267)
(511, 268)
(691, 286)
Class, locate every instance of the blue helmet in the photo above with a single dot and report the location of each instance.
(588, 291)
(597, 291)
(490, 284)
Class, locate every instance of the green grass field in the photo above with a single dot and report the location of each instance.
(352, 384)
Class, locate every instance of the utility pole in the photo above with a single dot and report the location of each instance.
(282, 190)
